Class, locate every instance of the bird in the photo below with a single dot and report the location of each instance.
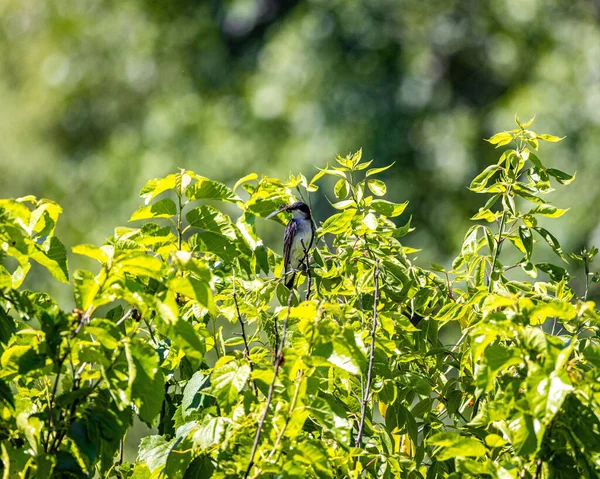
(297, 239)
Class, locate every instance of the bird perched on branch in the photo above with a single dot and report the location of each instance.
(297, 239)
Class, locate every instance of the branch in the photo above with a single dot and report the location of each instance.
(367, 393)
(307, 265)
(246, 348)
(538, 469)
(278, 363)
(83, 320)
(290, 414)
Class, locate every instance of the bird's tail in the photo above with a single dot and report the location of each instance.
(290, 282)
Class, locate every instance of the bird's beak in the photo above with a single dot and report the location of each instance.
(277, 211)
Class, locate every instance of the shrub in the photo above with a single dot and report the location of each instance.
(349, 376)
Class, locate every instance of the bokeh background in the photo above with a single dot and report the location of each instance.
(98, 96)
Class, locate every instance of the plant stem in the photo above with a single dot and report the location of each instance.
(586, 265)
(290, 414)
(278, 363)
(497, 248)
(245, 338)
(538, 468)
(179, 230)
(367, 392)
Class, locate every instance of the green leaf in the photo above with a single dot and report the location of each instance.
(556, 273)
(519, 190)
(552, 309)
(338, 223)
(560, 176)
(549, 138)
(194, 289)
(6, 395)
(374, 171)
(205, 189)
(482, 179)
(377, 187)
(389, 209)
(212, 431)
(85, 289)
(91, 252)
(54, 259)
(552, 242)
(148, 384)
(189, 341)
(227, 380)
(341, 189)
(501, 139)
(165, 208)
(450, 445)
(527, 240)
(193, 394)
(154, 451)
(370, 221)
(156, 186)
(548, 210)
(210, 219)
(245, 179)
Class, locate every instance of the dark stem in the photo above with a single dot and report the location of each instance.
(497, 249)
(121, 451)
(278, 363)
(538, 469)
(367, 393)
(84, 318)
(245, 338)
(307, 265)
(179, 231)
(586, 266)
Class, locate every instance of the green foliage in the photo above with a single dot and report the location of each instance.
(350, 376)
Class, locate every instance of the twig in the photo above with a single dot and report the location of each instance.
(290, 414)
(83, 320)
(307, 265)
(367, 392)
(278, 363)
(538, 469)
(246, 348)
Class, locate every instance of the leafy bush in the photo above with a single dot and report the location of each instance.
(187, 325)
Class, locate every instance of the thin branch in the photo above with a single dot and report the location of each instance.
(307, 266)
(245, 338)
(290, 414)
(538, 468)
(278, 363)
(83, 320)
(367, 392)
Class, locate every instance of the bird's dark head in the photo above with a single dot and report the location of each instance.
(299, 209)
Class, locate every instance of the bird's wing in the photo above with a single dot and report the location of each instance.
(288, 236)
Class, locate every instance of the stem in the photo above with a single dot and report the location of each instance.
(497, 248)
(179, 230)
(243, 327)
(61, 361)
(367, 392)
(586, 266)
(289, 416)
(538, 469)
(278, 363)
(307, 265)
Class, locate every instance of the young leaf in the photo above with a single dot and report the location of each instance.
(377, 187)
(481, 180)
(165, 208)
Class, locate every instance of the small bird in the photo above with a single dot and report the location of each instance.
(297, 239)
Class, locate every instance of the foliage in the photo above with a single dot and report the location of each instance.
(350, 376)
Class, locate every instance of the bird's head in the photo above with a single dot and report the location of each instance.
(299, 209)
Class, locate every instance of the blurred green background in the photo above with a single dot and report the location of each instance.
(97, 96)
